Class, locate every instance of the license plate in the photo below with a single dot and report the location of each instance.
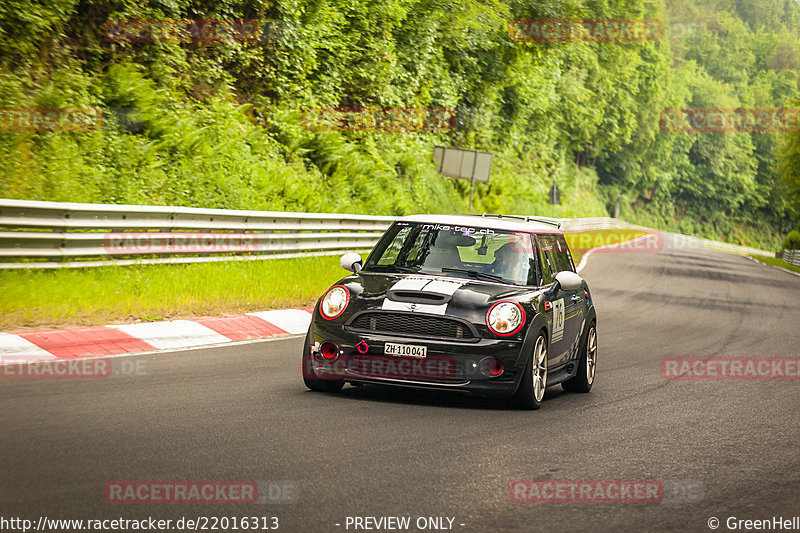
(405, 350)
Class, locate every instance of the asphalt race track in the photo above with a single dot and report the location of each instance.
(241, 412)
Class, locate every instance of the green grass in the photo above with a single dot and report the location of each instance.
(97, 296)
(106, 295)
(774, 261)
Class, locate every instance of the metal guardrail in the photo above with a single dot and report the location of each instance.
(790, 256)
(56, 235)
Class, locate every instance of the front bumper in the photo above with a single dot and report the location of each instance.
(449, 365)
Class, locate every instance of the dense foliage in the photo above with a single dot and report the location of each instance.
(792, 241)
(220, 124)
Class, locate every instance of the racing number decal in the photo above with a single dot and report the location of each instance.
(558, 320)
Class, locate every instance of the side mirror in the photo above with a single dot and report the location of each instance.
(351, 261)
(569, 281)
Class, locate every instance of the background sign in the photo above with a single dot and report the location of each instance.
(463, 164)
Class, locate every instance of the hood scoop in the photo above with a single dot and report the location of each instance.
(418, 297)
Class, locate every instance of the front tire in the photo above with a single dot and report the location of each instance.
(587, 365)
(530, 393)
(310, 378)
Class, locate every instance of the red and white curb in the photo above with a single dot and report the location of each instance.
(24, 346)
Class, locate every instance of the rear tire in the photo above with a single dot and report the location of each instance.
(531, 388)
(310, 377)
(587, 364)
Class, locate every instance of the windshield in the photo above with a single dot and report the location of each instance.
(480, 253)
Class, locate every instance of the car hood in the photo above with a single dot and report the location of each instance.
(450, 295)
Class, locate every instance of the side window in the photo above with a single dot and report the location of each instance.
(556, 253)
(563, 257)
(546, 243)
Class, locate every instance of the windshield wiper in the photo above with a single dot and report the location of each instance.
(396, 268)
(474, 274)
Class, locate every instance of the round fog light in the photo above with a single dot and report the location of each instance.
(495, 367)
(489, 367)
(329, 350)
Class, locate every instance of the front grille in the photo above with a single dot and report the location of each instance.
(413, 325)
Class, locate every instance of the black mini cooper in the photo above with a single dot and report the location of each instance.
(489, 305)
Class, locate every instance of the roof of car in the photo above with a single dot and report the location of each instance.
(506, 222)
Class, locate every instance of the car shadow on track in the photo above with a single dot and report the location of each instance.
(430, 398)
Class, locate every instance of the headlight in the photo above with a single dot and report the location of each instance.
(334, 302)
(505, 318)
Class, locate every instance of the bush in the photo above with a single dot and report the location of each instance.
(792, 241)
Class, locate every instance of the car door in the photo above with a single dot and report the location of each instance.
(575, 301)
(567, 311)
(555, 306)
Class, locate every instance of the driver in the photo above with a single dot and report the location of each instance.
(507, 262)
